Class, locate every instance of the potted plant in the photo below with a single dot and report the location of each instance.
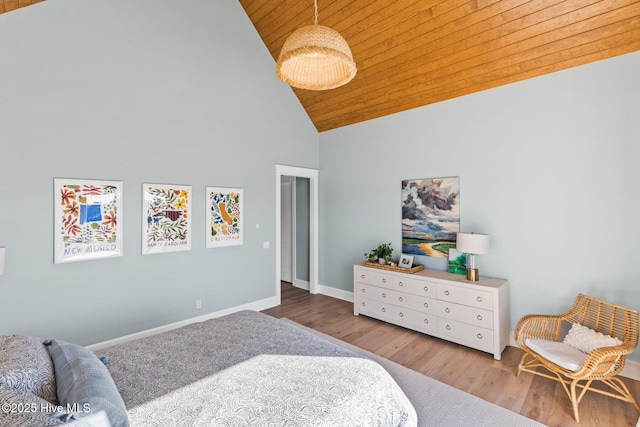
(382, 254)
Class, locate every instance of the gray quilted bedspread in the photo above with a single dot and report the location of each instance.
(250, 369)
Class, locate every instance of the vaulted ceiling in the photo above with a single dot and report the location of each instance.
(411, 53)
(9, 5)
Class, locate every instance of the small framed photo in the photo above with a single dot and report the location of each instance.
(406, 261)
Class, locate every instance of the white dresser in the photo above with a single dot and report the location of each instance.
(437, 303)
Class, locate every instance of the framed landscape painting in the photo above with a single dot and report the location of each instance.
(88, 219)
(224, 216)
(430, 216)
(166, 218)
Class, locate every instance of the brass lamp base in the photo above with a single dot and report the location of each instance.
(473, 274)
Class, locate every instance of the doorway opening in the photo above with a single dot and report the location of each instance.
(296, 181)
(294, 231)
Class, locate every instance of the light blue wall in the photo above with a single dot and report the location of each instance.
(549, 167)
(139, 91)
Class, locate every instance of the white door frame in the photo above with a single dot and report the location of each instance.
(312, 175)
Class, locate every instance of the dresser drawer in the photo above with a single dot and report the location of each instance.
(374, 278)
(468, 296)
(420, 321)
(414, 302)
(473, 336)
(376, 309)
(414, 286)
(465, 314)
(374, 293)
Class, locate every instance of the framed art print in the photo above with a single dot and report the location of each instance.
(457, 262)
(430, 216)
(224, 216)
(166, 218)
(88, 219)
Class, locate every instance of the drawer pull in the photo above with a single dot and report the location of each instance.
(384, 280)
(479, 317)
(448, 327)
(479, 299)
(362, 276)
(446, 292)
(384, 310)
(400, 283)
(479, 336)
(364, 290)
(426, 289)
(426, 321)
(364, 304)
(446, 310)
(384, 295)
(426, 305)
(400, 299)
(401, 314)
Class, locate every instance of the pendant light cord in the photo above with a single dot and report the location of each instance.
(315, 4)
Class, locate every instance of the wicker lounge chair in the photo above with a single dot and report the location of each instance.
(540, 336)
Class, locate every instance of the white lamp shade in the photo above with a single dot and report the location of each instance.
(472, 243)
(3, 250)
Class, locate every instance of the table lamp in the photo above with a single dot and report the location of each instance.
(472, 244)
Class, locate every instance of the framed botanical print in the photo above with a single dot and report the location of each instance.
(224, 216)
(166, 218)
(88, 219)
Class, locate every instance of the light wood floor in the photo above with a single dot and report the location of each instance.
(469, 370)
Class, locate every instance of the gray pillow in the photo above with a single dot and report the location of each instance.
(24, 409)
(84, 381)
(25, 365)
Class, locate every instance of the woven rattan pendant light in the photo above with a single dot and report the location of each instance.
(315, 57)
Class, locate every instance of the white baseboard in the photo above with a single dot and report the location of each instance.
(335, 293)
(256, 305)
(302, 284)
(631, 370)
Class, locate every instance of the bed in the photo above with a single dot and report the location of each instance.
(245, 368)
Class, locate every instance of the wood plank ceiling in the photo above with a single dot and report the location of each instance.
(412, 53)
(9, 5)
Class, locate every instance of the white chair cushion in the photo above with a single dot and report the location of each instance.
(557, 352)
(586, 340)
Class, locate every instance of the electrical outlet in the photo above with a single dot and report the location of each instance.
(198, 304)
